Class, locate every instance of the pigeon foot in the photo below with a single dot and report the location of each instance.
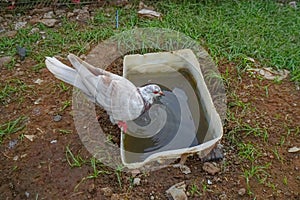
(122, 126)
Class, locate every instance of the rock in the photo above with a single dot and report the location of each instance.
(9, 34)
(183, 168)
(83, 14)
(57, 118)
(38, 81)
(215, 154)
(177, 191)
(34, 30)
(210, 168)
(294, 149)
(136, 181)
(242, 191)
(48, 15)
(135, 172)
(27, 194)
(152, 197)
(30, 137)
(12, 143)
(5, 60)
(293, 4)
(20, 25)
(48, 22)
(107, 191)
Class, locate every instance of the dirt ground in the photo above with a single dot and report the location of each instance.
(39, 169)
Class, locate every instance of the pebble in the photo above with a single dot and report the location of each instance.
(293, 4)
(210, 168)
(34, 30)
(27, 194)
(53, 141)
(20, 25)
(242, 191)
(136, 181)
(5, 60)
(49, 22)
(12, 144)
(16, 158)
(135, 172)
(177, 191)
(57, 118)
(48, 15)
(9, 34)
(107, 191)
(152, 197)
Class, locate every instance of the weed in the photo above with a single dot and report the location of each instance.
(277, 155)
(285, 180)
(118, 173)
(11, 127)
(76, 161)
(259, 172)
(63, 87)
(96, 172)
(248, 151)
(194, 190)
(65, 105)
(21, 136)
(63, 131)
(11, 87)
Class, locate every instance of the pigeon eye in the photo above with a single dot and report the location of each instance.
(155, 92)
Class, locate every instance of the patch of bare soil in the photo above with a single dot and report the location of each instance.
(262, 123)
(39, 168)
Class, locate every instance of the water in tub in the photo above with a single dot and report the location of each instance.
(175, 121)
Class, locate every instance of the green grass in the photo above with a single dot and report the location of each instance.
(11, 127)
(73, 161)
(11, 90)
(231, 30)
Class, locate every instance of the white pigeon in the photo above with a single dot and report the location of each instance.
(121, 99)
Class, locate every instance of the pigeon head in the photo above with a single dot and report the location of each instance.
(150, 92)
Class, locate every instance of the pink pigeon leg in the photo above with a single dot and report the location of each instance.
(122, 126)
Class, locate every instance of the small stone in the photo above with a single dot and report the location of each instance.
(48, 15)
(135, 172)
(49, 22)
(17, 65)
(107, 191)
(210, 168)
(293, 4)
(294, 149)
(27, 194)
(209, 182)
(12, 144)
(70, 14)
(223, 196)
(53, 141)
(57, 118)
(152, 197)
(30, 137)
(34, 30)
(36, 102)
(242, 191)
(5, 60)
(177, 191)
(136, 181)
(20, 25)
(9, 34)
(16, 158)
(38, 81)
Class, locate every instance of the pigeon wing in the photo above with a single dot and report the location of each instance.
(117, 95)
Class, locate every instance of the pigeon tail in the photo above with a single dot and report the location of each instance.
(65, 73)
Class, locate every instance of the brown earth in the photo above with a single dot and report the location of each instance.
(39, 169)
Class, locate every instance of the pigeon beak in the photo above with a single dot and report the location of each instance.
(161, 93)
